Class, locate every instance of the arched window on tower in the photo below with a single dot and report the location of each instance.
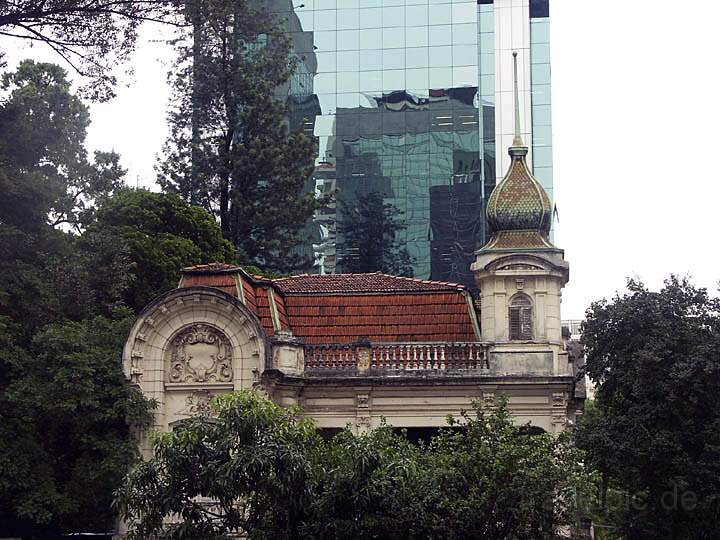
(520, 316)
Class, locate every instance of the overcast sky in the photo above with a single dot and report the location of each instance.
(636, 119)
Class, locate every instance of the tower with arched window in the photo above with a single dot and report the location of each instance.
(521, 273)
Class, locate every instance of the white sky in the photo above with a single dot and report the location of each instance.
(635, 118)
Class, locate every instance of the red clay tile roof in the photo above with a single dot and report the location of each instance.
(351, 283)
(224, 282)
(399, 317)
(342, 308)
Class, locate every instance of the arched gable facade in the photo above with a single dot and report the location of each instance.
(189, 345)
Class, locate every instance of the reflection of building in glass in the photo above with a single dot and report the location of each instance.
(410, 100)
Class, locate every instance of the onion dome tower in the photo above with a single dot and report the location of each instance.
(519, 210)
(520, 272)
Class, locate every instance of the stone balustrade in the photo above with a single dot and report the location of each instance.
(396, 356)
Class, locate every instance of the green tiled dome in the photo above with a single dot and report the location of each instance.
(519, 202)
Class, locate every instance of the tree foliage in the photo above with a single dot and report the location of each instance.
(91, 36)
(161, 234)
(229, 149)
(42, 147)
(369, 228)
(655, 430)
(75, 245)
(260, 470)
(64, 427)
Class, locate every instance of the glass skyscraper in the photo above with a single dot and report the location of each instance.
(413, 99)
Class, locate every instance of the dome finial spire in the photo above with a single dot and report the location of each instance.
(517, 141)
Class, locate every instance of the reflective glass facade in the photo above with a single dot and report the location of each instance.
(401, 97)
(541, 102)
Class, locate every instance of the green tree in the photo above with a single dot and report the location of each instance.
(64, 428)
(230, 149)
(160, 234)
(42, 144)
(48, 184)
(251, 461)
(655, 430)
(91, 36)
(369, 228)
(257, 469)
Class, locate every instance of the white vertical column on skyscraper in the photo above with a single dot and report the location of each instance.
(512, 33)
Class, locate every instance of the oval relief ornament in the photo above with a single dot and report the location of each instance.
(200, 354)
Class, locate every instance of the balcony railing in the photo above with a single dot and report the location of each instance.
(396, 356)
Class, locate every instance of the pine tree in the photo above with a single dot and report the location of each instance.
(230, 149)
(368, 231)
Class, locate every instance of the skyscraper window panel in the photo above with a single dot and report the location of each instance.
(465, 76)
(348, 101)
(439, 14)
(541, 94)
(487, 62)
(544, 175)
(393, 38)
(348, 81)
(326, 40)
(440, 35)
(464, 12)
(464, 34)
(487, 88)
(325, 83)
(393, 16)
(394, 78)
(439, 56)
(541, 115)
(540, 53)
(540, 31)
(487, 42)
(326, 62)
(393, 59)
(325, 20)
(464, 55)
(371, 18)
(371, 81)
(369, 38)
(348, 40)
(416, 15)
(440, 77)
(542, 156)
(542, 136)
(416, 57)
(348, 60)
(348, 19)
(370, 59)
(416, 36)
(540, 73)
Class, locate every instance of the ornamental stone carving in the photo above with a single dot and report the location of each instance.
(197, 403)
(199, 354)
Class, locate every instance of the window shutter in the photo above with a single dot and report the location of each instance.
(525, 323)
(520, 318)
(515, 323)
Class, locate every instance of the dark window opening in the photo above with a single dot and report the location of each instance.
(531, 430)
(520, 315)
(329, 432)
(539, 8)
